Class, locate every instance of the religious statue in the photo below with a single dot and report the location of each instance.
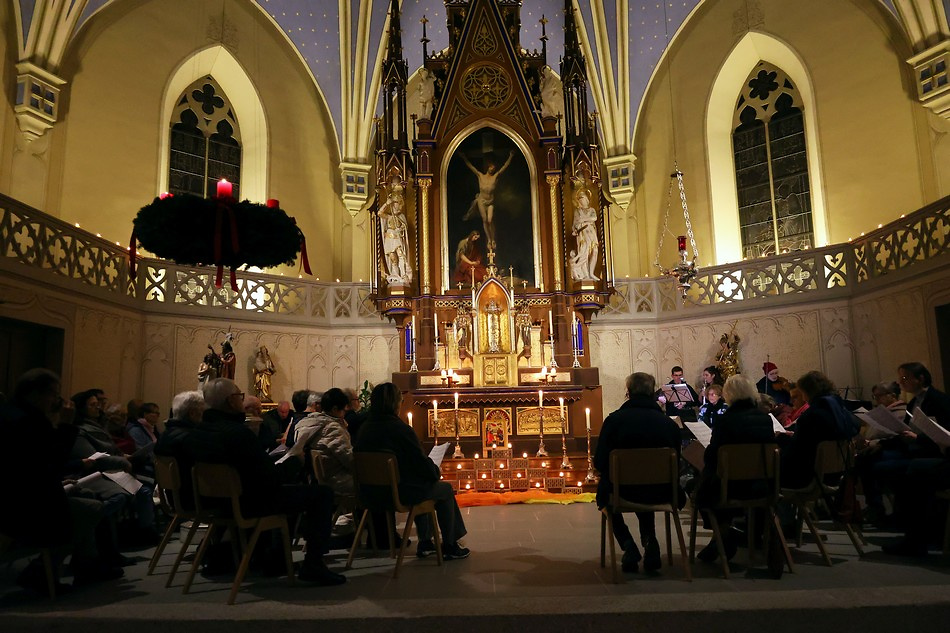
(426, 93)
(209, 368)
(395, 231)
(263, 370)
(583, 259)
(463, 333)
(484, 202)
(523, 326)
(227, 357)
(552, 95)
(493, 321)
(728, 359)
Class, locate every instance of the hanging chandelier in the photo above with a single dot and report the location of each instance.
(685, 270)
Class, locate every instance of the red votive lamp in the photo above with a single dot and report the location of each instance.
(681, 242)
(164, 195)
(273, 203)
(224, 189)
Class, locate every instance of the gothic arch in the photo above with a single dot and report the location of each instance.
(748, 52)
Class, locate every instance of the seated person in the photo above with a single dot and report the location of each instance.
(714, 407)
(638, 423)
(685, 401)
(798, 406)
(222, 438)
(325, 432)
(418, 475)
(771, 384)
(742, 423)
(253, 414)
(273, 424)
(826, 419)
(144, 431)
(49, 518)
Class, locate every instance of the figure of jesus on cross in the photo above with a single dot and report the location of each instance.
(484, 201)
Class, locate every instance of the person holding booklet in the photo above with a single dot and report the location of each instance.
(678, 397)
(384, 430)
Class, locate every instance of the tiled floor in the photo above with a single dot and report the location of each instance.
(532, 563)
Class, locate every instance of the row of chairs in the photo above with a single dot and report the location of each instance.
(737, 463)
(222, 482)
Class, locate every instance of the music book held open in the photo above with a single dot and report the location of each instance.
(929, 427)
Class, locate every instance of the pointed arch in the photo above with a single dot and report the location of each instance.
(755, 47)
(217, 62)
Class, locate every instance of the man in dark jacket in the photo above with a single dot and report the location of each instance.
(384, 431)
(638, 423)
(222, 438)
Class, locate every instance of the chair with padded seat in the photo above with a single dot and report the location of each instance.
(222, 482)
(380, 472)
(744, 464)
(643, 467)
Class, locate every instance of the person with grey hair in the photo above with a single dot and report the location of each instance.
(638, 423)
(222, 438)
(188, 406)
(742, 423)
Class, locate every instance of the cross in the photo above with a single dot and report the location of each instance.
(460, 285)
(424, 21)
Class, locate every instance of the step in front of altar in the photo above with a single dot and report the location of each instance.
(504, 474)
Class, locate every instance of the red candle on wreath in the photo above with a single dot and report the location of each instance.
(273, 203)
(681, 242)
(164, 195)
(224, 188)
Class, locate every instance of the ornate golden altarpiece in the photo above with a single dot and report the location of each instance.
(491, 237)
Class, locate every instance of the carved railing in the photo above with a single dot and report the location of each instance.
(72, 256)
(841, 270)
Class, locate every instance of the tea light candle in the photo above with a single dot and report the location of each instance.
(484, 476)
(476, 455)
(525, 455)
(468, 486)
(537, 484)
(458, 467)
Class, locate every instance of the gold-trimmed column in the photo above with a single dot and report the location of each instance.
(424, 225)
(553, 181)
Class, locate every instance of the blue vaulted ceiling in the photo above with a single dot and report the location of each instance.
(313, 27)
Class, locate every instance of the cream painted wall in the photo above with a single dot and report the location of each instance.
(8, 54)
(112, 124)
(871, 147)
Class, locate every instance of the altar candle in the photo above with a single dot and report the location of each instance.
(551, 324)
(224, 188)
(561, 402)
(444, 374)
(410, 418)
(587, 415)
(473, 287)
(540, 399)
(412, 332)
(456, 400)
(436, 332)
(435, 409)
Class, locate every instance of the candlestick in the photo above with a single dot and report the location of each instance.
(224, 189)
(473, 287)
(565, 461)
(591, 477)
(458, 442)
(541, 450)
(435, 421)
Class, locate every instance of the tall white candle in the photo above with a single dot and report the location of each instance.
(561, 402)
(435, 409)
(410, 418)
(540, 398)
(587, 415)
(412, 331)
(436, 331)
(456, 400)
(551, 325)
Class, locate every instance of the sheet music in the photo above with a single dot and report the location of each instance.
(776, 425)
(124, 479)
(882, 422)
(437, 454)
(700, 431)
(929, 427)
(83, 481)
(677, 393)
(97, 455)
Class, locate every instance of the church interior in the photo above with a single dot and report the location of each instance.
(504, 207)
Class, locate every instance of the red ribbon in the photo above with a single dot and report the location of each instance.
(224, 204)
(132, 255)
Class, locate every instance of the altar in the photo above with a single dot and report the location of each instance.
(492, 250)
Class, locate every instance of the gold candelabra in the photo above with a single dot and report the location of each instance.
(591, 477)
(458, 446)
(541, 450)
(565, 462)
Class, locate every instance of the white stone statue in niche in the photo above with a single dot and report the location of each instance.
(583, 259)
(395, 230)
(552, 93)
(426, 93)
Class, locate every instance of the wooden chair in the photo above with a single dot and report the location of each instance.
(831, 459)
(643, 467)
(744, 463)
(220, 481)
(6, 542)
(381, 471)
(168, 479)
(344, 503)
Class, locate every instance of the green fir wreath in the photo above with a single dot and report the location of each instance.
(186, 229)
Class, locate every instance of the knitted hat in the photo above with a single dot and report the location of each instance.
(768, 366)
